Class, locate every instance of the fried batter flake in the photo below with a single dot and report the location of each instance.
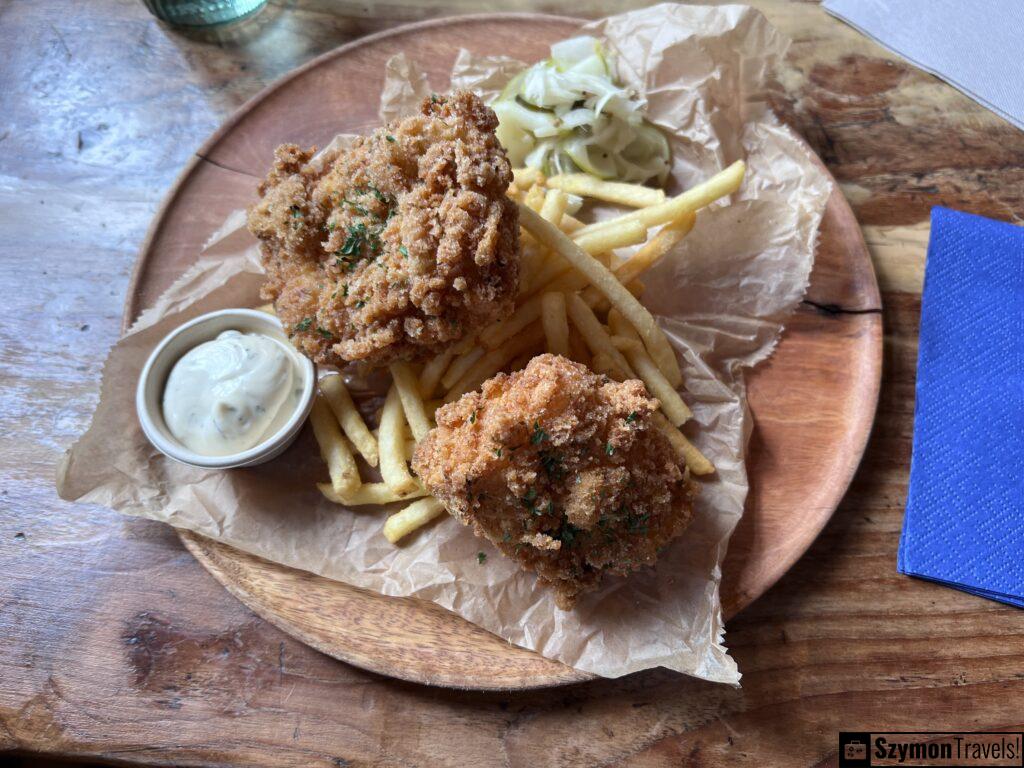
(401, 246)
(563, 470)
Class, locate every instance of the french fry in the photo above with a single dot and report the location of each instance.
(268, 308)
(574, 282)
(495, 360)
(661, 352)
(520, 362)
(585, 185)
(430, 377)
(553, 266)
(595, 336)
(602, 279)
(412, 403)
(627, 273)
(460, 365)
(467, 343)
(414, 516)
(369, 493)
(597, 244)
(654, 249)
(410, 448)
(555, 322)
(571, 224)
(334, 391)
(393, 468)
(723, 183)
(534, 197)
(555, 203)
(609, 238)
(527, 177)
(498, 333)
(531, 260)
(620, 326)
(688, 452)
(601, 363)
(666, 357)
(578, 348)
(341, 464)
(671, 403)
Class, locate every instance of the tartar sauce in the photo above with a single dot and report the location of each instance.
(227, 394)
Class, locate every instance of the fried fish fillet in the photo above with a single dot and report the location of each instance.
(563, 470)
(401, 246)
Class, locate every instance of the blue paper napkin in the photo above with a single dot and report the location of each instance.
(964, 524)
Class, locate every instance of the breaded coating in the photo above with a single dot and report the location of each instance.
(563, 470)
(401, 246)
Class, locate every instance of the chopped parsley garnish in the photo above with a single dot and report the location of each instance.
(390, 138)
(360, 304)
(372, 190)
(568, 533)
(296, 212)
(638, 523)
(609, 448)
(354, 240)
(551, 463)
(497, 452)
(539, 435)
(356, 207)
(344, 289)
(324, 332)
(345, 261)
(530, 501)
(472, 416)
(303, 324)
(404, 251)
(481, 557)
(632, 417)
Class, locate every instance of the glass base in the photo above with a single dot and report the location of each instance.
(203, 13)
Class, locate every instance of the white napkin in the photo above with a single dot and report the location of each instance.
(974, 45)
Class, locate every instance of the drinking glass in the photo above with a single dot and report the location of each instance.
(202, 13)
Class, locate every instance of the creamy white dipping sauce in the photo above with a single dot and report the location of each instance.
(228, 394)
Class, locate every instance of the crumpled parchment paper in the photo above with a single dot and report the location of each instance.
(722, 296)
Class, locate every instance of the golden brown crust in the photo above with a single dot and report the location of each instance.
(562, 469)
(403, 245)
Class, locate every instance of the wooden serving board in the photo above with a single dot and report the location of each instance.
(813, 401)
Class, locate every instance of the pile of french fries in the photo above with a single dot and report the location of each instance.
(577, 298)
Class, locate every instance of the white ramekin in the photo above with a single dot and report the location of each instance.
(149, 394)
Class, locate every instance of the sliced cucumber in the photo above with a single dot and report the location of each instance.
(567, 114)
(591, 158)
(569, 52)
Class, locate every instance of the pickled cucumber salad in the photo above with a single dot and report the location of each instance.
(567, 114)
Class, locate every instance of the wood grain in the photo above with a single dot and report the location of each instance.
(813, 406)
(119, 647)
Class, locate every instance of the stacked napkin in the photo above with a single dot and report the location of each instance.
(974, 46)
(964, 524)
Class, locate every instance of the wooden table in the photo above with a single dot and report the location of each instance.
(118, 646)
